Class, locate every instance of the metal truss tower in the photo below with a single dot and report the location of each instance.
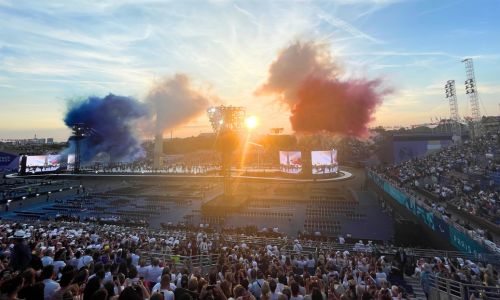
(226, 122)
(226, 118)
(451, 95)
(80, 132)
(471, 90)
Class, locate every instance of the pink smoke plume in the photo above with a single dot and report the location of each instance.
(175, 102)
(305, 78)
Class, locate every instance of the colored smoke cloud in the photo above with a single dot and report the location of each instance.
(174, 102)
(117, 121)
(112, 120)
(305, 78)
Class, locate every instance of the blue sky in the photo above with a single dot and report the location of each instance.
(52, 51)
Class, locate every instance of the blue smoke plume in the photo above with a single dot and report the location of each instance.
(111, 120)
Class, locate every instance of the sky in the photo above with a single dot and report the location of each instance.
(52, 52)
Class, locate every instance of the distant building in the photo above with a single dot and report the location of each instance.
(206, 134)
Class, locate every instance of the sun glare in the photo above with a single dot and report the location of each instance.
(251, 122)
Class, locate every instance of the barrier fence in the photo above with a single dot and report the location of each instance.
(201, 262)
(391, 250)
(448, 289)
(204, 262)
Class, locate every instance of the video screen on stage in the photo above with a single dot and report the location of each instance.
(324, 162)
(291, 161)
(43, 163)
(71, 162)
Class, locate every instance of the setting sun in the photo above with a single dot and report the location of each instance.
(251, 122)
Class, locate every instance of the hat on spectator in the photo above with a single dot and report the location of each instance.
(20, 234)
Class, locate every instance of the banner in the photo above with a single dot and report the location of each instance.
(442, 228)
(458, 239)
(463, 242)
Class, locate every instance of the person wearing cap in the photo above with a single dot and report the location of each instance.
(21, 253)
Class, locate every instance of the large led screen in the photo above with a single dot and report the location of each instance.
(43, 163)
(291, 161)
(324, 162)
(71, 162)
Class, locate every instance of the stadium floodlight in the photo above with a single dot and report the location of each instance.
(226, 118)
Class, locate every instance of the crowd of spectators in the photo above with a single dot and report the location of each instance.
(65, 260)
(139, 167)
(458, 176)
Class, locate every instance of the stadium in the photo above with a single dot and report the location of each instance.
(195, 217)
(263, 174)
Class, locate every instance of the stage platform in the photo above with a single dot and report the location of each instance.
(244, 175)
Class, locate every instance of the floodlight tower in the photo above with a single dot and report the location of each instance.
(80, 132)
(226, 122)
(471, 90)
(451, 95)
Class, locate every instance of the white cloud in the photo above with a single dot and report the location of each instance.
(121, 46)
(347, 27)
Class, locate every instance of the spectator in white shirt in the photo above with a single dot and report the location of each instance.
(256, 286)
(380, 276)
(153, 271)
(297, 247)
(85, 260)
(164, 287)
(142, 268)
(204, 246)
(135, 259)
(59, 260)
(50, 286)
(47, 258)
(166, 271)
